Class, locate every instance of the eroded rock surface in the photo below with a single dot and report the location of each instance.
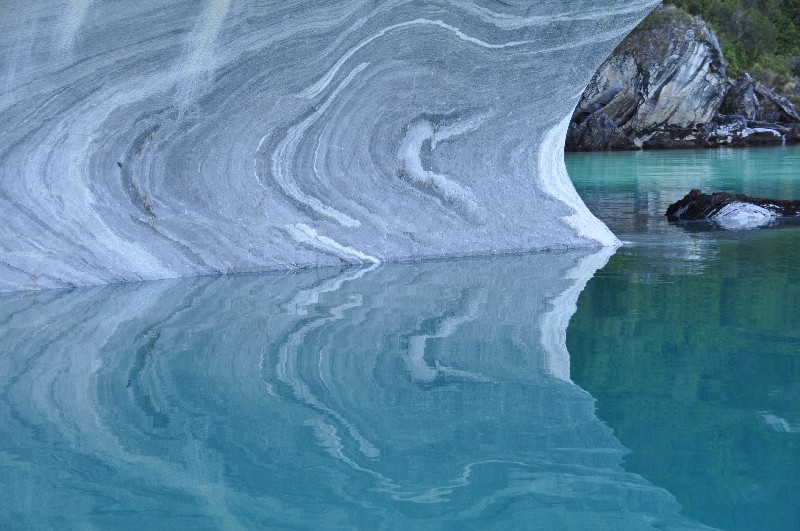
(167, 138)
(666, 86)
(597, 133)
(667, 78)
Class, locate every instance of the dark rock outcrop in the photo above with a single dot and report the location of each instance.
(733, 211)
(794, 133)
(753, 101)
(741, 99)
(598, 133)
(787, 112)
(666, 87)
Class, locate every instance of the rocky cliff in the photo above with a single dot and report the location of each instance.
(666, 86)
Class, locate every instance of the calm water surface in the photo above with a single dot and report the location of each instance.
(689, 339)
(655, 388)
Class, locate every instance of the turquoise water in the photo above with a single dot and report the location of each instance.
(689, 339)
(655, 388)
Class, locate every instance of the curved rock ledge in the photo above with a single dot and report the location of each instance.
(168, 138)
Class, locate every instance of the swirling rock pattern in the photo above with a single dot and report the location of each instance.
(430, 395)
(165, 138)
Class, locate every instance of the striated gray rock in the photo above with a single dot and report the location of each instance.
(665, 86)
(664, 81)
(167, 138)
(753, 101)
(785, 111)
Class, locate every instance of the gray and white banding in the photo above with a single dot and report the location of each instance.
(168, 138)
(249, 398)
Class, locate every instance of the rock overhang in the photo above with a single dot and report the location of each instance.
(177, 138)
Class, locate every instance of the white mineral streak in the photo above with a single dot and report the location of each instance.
(315, 89)
(554, 323)
(413, 170)
(743, 216)
(554, 180)
(508, 22)
(286, 152)
(74, 21)
(200, 46)
(304, 234)
(747, 131)
(166, 138)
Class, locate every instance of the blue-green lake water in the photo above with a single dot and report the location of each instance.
(654, 387)
(689, 339)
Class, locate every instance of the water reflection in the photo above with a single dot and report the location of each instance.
(689, 338)
(699, 374)
(426, 394)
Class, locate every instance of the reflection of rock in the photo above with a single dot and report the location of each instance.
(555, 322)
(779, 424)
(731, 211)
(415, 358)
(693, 362)
(274, 394)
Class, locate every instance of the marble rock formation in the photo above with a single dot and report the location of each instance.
(665, 86)
(731, 211)
(753, 114)
(167, 138)
(663, 80)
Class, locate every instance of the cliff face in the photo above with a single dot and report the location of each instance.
(166, 138)
(665, 86)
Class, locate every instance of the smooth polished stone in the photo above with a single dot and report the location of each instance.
(167, 138)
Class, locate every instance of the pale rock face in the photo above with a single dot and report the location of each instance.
(166, 138)
(691, 90)
(666, 78)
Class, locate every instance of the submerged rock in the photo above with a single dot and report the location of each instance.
(731, 211)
